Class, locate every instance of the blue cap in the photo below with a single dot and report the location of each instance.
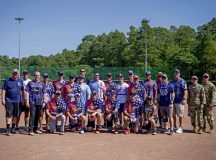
(45, 75)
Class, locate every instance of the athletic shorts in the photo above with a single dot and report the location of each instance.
(23, 108)
(121, 108)
(12, 109)
(178, 109)
(166, 112)
(114, 117)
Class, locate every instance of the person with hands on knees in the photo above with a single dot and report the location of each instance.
(132, 113)
(94, 110)
(150, 116)
(55, 109)
(196, 102)
(112, 106)
(76, 114)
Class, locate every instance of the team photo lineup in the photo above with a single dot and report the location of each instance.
(128, 105)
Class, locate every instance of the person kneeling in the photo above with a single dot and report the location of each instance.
(112, 106)
(132, 113)
(76, 113)
(94, 106)
(150, 116)
(55, 109)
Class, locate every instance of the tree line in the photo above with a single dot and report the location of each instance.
(192, 51)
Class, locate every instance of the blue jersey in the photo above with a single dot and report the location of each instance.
(151, 88)
(48, 88)
(133, 108)
(111, 105)
(13, 90)
(95, 105)
(164, 90)
(138, 89)
(109, 86)
(179, 87)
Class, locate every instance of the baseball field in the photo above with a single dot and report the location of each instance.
(106, 146)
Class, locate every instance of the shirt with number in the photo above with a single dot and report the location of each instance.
(164, 90)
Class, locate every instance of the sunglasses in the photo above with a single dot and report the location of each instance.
(82, 71)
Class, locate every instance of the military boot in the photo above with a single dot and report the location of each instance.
(195, 130)
(200, 130)
(211, 130)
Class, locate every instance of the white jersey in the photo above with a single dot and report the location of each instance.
(25, 82)
(122, 91)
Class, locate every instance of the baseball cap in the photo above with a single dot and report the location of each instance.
(177, 70)
(159, 74)
(109, 74)
(96, 74)
(45, 75)
(77, 95)
(60, 72)
(148, 73)
(194, 77)
(25, 72)
(130, 72)
(120, 75)
(94, 93)
(206, 75)
(58, 92)
(15, 71)
(164, 76)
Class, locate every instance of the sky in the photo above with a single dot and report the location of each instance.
(50, 26)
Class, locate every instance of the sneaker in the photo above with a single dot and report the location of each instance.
(127, 131)
(8, 133)
(200, 131)
(174, 129)
(211, 131)
(31, 133)
(82, 131)
(61, 133)
(171, 132)
(14, 131)
(97, 132)
(166, 131)
(38, 132)
(154, 133)
(204, 129)
(195, 130)
(179, 130)
(116, 131)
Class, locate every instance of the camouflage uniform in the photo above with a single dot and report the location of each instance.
(210, 101)
(196, 100)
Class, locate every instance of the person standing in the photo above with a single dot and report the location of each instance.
(98, 86)
(210, 102)
(196, 102)
(165, 101)
(11, 93)
(24, 107)
(130, 77)
(110, 85)
(158, 82)
(122, 93)
(180, 89)
(36, 92)
(59, 83)
(83, 74)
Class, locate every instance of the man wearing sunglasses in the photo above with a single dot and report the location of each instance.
(210, 102)
(11, 93)
(82, 74)
(59, 83)
(130, 77)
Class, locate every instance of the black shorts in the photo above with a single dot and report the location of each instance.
(91, 124)
(23, 108)
(121, 107)
(12, 109)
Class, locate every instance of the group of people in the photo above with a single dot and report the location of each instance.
(129, 105)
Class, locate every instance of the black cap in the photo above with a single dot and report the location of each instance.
(109, 74)
(45, 75)
(177, 70)
(60, 72)
(25, 72)
(94, 93)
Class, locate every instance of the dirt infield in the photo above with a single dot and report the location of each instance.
(107, 146)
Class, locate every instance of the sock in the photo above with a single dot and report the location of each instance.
(13, 125)
(8, 126)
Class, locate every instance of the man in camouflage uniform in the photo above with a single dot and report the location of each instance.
(210, 102)
(196, 102)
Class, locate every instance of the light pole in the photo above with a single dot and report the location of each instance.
(19, 19)
(146, 54)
